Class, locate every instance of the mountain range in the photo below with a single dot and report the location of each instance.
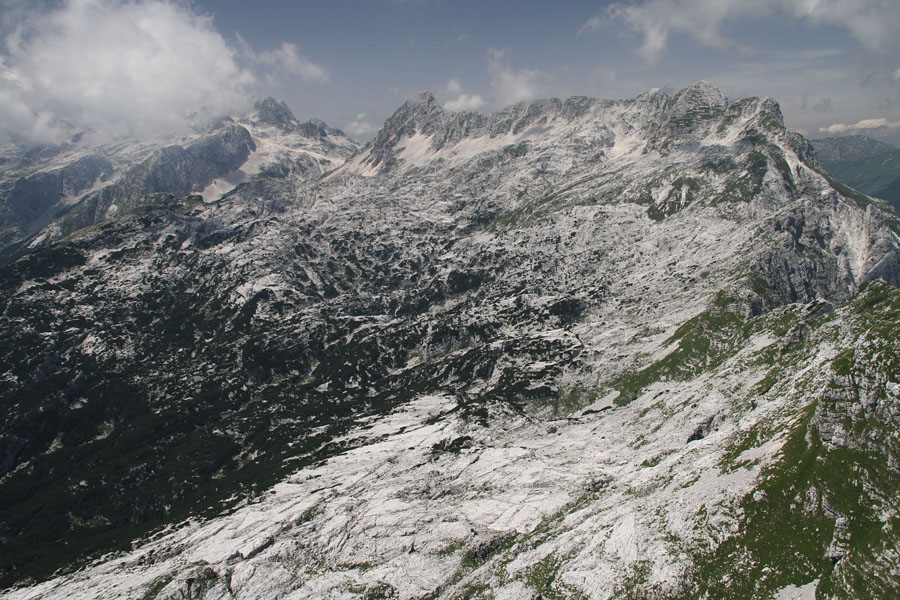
(864, 164)
(575, 348)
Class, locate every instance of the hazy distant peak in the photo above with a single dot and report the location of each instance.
(849, 148)
(701, 87)
(423, 97)
(270, 111)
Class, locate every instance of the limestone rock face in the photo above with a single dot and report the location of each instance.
(35, 199)
(694, 105)
(181, 170)
(642, 348)
(33, 195)
(270, 111)
(47, 193)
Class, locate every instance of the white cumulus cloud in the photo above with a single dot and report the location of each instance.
(873, 23)
(120, 67)
(511, 85)
(461, 100)
(359, 125)
(864, 124)
(287, 58)
(465, 102)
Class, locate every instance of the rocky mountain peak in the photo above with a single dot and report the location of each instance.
(270, 111)
(770, 106)
(420, 132)
(654, 97)
(424, 97)
(419, 113)
(696, 104)
(701, 92)
(317, 129)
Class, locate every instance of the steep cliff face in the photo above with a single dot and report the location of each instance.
(46, 194)
(33, 195)
(36, 199)
(180, 170)
(575, 348)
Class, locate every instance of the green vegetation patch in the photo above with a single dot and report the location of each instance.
(745, 186)
(821, 512)
(779, 542)
(704, 342)
(683, 193)
(157, 586)
(533, 211)
(543, 578)
(788, 525)
(572, 399)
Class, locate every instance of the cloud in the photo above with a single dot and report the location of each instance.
(862, 125)
(873, 23)
(454, 87)
(359, 125)
(465, 102)
(118, 67)
(462, 101)
(511, 85)
(656, 20)
(288, 59)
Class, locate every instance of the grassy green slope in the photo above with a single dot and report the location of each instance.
(826, 508)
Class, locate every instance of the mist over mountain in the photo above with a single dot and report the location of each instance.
(52, 191)
(573, 348)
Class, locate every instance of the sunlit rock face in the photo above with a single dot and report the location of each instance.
(573, 349)
(46, 193)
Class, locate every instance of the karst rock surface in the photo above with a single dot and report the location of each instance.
(573, 349)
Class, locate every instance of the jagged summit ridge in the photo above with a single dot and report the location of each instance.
(421, 131)
(269, 111)
(701, 93)
(46, 195)
(420, 114)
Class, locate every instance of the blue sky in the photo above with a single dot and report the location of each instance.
(834, 65)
